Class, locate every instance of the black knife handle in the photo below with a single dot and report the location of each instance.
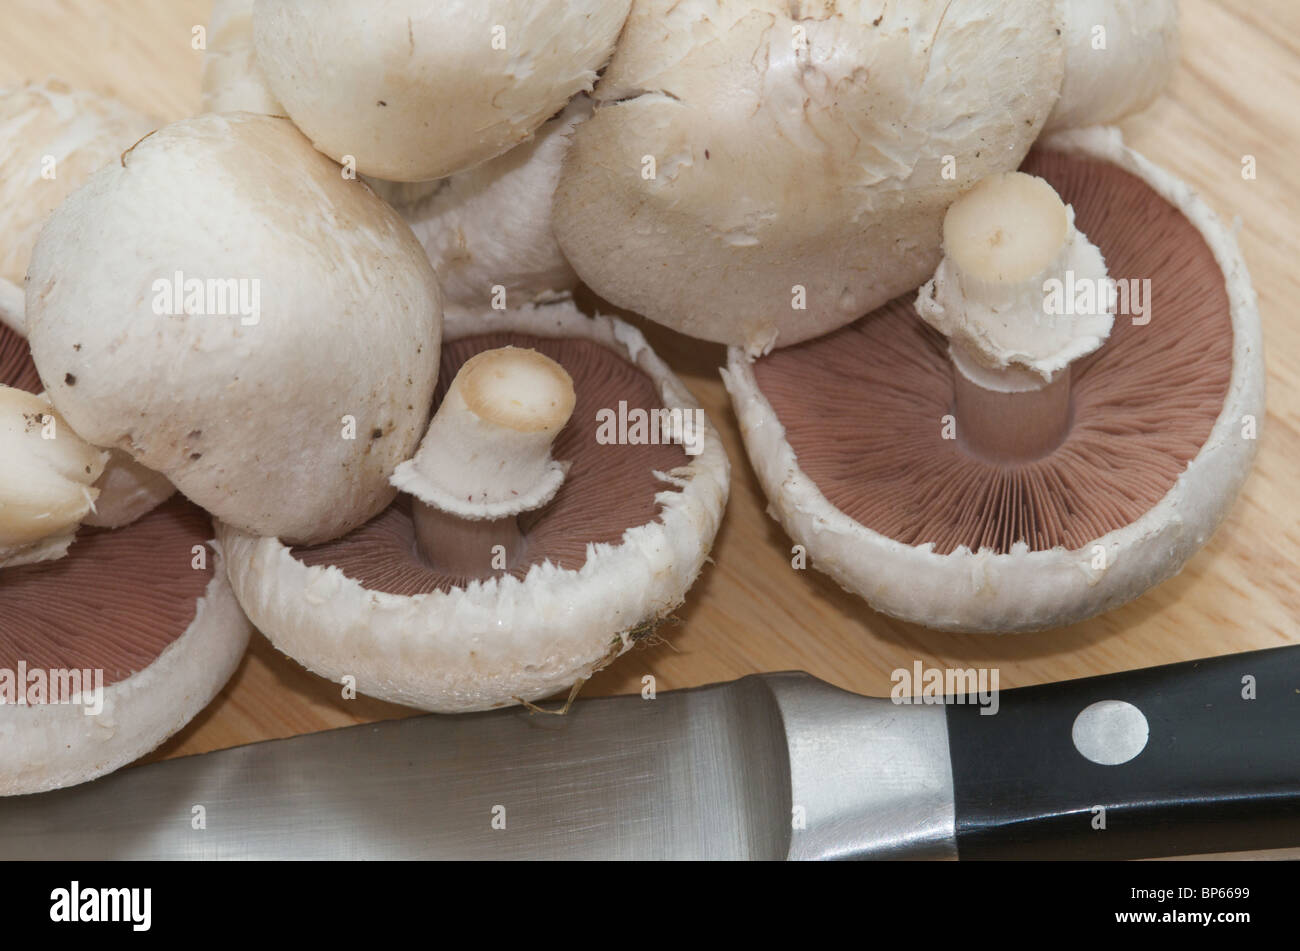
(1218, 773)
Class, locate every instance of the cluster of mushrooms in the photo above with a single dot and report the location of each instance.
(310, 362)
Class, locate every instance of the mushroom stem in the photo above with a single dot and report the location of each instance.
(486, 459)
(459, 546)
(1011, 426)
(1004, 295)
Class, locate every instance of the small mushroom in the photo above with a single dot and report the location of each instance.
(52, 137)
(144, 613)
(490, 227)
(976, 483)
(222, 305)
(416, 91)
(761, 173)
(524, 560)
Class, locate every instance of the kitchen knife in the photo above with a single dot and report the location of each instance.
(770, 766)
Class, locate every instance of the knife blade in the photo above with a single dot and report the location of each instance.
(767, 767)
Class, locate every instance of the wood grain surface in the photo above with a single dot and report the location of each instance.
(1235, 94)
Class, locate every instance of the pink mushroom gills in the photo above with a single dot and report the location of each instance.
(1039, 466)
(550, 518)
(112, 648)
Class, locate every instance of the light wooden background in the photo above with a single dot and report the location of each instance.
(1236, 93)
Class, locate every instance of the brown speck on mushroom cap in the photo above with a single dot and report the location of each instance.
(863, 407)
(609, 488)
(115, 602)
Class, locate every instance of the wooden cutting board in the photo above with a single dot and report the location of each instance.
(1235, 95)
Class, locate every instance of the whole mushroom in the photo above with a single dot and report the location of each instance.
(1055, 424)
(278, 324)
(561, 505)
(760, 173)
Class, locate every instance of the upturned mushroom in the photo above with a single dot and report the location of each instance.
(1049, 460)
(279, 322)
(110, 650)
(117, 644)
(413, 91)
(525, 552)
(52, 137)
(760, 173)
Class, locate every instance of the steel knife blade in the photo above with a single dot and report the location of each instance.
(771, 766)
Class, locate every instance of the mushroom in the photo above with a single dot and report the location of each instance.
(1119, 56)
(146, 606)
(52, 137)
(913, 482)
(490, 227)
(477, 591)
(277, 323)
(112, 649)
(416, 91)
(761, 173)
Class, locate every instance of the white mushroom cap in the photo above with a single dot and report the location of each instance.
(285, 413)
(491, 226)
(416, 91)
(1003, 241)
(51, 745)
(496, 641)
(52, 137)
(47, 474)
(1023, 589)
(760, 173)
(1119, 56)
(231, 80)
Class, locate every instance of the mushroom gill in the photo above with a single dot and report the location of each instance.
(16, 366)
(609, 488)
(864, 407)
(115, 603)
